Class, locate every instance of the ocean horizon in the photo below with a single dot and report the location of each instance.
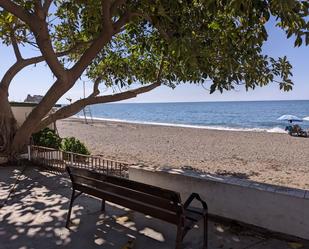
(259, 116)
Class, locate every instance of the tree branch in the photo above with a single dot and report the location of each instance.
(15, 46)
(106, 18)
(97, 44)
(77, 106)
(65, 78)
(116, 5)
(121, 96)
(20, 64)
(15, 68)
(159, 75)
(46, 6)
(43, 39)
(38, 9)
(122, 21)
(39, 26)
(16, 10)
(96, 90)
(162, 32)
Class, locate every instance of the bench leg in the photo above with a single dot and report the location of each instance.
(103, 206)
(205, 243)
(70, 209)
(179, 238)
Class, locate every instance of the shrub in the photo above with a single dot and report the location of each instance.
(71, 144)
(47, 138)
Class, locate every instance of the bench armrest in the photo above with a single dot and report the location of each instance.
(197, 197)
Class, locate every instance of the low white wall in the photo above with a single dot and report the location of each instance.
(21, 113)
(278, 209)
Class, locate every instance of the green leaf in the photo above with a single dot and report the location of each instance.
(212, 88)
(298, 41)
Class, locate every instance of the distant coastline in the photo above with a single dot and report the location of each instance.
(210, 101)
(202, 101)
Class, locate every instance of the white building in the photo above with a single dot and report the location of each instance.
(21, 110)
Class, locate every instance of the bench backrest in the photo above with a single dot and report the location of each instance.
(150, 200)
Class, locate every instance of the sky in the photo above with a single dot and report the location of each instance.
(37, 79)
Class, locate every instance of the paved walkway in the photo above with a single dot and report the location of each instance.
(34, 218)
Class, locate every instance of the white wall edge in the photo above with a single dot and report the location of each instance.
(276, 208)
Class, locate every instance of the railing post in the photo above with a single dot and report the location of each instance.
(29, 152)
(71, 154)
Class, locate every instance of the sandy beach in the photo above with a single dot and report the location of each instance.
(260, 156)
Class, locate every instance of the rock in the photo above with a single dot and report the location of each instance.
(33, 99)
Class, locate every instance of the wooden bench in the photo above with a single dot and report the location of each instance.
(159, 203)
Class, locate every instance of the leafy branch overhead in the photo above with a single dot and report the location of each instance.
(151, 43)
(220, 41)
(213, 40)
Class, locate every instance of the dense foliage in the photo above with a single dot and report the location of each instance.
(219, 42)
(196, 41)
(47, 138)
(71, 144)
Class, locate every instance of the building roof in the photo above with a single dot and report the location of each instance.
(28, 104)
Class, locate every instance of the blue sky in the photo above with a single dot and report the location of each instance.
(37, 79)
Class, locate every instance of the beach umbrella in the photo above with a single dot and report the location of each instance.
(290, 118)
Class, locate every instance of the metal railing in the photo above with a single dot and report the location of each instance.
(57, 160)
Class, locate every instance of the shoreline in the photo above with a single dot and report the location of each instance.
(217, 128)
(272, 158)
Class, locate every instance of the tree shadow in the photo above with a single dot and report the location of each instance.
(8, 178)
(34, 218)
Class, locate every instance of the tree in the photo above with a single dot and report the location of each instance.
(119, 42)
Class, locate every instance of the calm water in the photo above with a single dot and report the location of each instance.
(255, 115)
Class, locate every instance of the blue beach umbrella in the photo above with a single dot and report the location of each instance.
(290, 118)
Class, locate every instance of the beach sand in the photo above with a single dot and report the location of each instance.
(260, 156)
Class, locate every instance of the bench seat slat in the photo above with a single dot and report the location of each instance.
(129, 193)
(129, 203)
(152, 190)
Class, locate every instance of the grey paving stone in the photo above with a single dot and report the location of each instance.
(34, 217)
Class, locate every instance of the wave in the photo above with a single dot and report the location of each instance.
(208, 127)
(276, 130)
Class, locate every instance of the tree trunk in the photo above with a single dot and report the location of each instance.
(20, 140)
(33, 120)
(8, 124)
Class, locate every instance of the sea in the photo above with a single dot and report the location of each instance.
(258, 116)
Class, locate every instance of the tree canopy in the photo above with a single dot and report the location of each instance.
(119, 42)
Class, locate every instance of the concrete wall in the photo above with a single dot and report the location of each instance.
(21, 112)
(275, 208)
